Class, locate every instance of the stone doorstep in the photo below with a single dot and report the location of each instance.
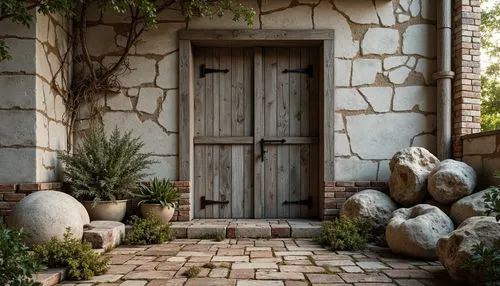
(104, 234)
(50, 277)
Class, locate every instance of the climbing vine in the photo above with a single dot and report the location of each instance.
(91, 79)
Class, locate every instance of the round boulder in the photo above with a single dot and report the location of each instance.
(469, 206)
(415, 231)
(370, 204)
(451, 180)
(456, 248)
(409, 170)
(47, 214)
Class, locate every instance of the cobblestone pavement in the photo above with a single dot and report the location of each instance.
(247, 262)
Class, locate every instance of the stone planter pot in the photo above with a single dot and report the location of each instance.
(165, 213)
(106, 210)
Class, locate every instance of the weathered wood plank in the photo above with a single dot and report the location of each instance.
(223, 140)
(258, 183)
(225, 130)
(295, 128)
(209, 131)
(283, 129)
(270, 127)
(199, 130)
(314, 130)
(255, 35)
(248, 131)
(216, 132)
(185, 112)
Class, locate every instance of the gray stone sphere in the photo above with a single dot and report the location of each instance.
(46, 214)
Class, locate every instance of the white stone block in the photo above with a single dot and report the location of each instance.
(298, 17)
(353, 169)
(360, 12)
(168, 117)
(402, 18)
(480, 145)
(21, 164)
(420, 39)
(101, 40)
(325, 17)
(149, 97)
(384, 171)
(399, 75)
(164, 168)
(380, 41)
(411, 62)
(23, 54)
(415, 8)
(396, 61)
(428, 141)
(405, 4)
(379, 98)
(365, 71)
(118, 101)
(18, 128)
(17, 91)
(57, 136)
(427, 68)
(170, 14)
(342, 147)
(343, 72)
(160, 41)
(168, 69)
(339, 122)
(47, 166)
(385, 11)
(349, 99)
(406, 98)
(379, 136)
(42, 130)
(269, 5)
(143, 71)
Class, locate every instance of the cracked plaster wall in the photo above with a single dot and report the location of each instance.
(385, 94)
(32, 129)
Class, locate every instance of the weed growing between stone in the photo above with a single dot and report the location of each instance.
(17, 264)
(192, 272)
(79, 257)
(346, 234)
(148, 230)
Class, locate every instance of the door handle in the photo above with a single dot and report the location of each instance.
(263, 142)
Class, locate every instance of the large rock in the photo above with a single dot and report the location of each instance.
(469, 206)
(456, 248)
(47, 214)
(370, 204)
(410, 168)
(450, 181)
(415, 231)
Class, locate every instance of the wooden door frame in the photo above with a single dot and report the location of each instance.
(324, 39)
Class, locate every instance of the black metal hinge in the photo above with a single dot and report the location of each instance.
(308, 202)
(308, 70)
(204, 70)
(204, 202)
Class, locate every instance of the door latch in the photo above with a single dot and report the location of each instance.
(263, 143)
(308, 202)
(308, 70)
(204, 202)
(204, 70)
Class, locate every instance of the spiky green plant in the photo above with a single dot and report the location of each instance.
(492, 199)
(160, 192)
(106, 168)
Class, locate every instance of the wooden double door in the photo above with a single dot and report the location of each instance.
(256, 129)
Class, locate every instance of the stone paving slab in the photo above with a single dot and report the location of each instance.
(248, 262)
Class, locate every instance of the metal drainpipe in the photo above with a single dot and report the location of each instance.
(444, 76)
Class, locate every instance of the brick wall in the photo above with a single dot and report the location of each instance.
(337, 192)
(467, 85)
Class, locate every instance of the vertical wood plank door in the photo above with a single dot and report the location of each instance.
(291, 132)
(245, 103)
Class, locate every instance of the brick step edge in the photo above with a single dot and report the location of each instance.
(50, 277)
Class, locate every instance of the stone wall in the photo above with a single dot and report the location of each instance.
(32, 128)
(385, 57)
(482, 152)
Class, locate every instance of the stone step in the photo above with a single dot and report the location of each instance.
(205, 229)
(104, 234)
(50, 276)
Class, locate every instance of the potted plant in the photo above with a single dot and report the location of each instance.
(158, 197)
(104, 170)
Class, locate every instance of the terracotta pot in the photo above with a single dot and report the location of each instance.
(106, 210)
(165, 213)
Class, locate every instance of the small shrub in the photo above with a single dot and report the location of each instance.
(17, 264)
(346, 234)
(215, 236)
(192, 272)
(492, 199)
(486, 261)
(82, 262)
(148, 230)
